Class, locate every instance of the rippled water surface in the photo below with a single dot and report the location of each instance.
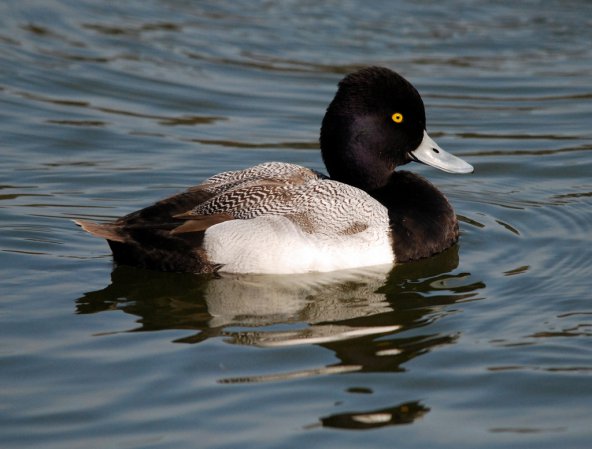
(109, 106)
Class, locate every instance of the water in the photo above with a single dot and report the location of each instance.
(109, 106)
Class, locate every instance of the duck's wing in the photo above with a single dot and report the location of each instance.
(244, 201)
(268, 188)
(169, 212)
(317, 206)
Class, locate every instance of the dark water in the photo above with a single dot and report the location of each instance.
(108, 106)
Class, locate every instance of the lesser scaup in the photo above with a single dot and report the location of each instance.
(283, 218)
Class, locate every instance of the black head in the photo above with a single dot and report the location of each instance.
(375, 121)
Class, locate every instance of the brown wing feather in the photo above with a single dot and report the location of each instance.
(198, 223)
(164, 212)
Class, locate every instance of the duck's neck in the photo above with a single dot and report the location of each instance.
(422, 220)
(363, 171)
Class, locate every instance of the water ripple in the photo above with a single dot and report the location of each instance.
(108, 106)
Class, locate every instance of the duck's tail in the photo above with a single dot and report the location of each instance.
(108, 231)
(153, 247)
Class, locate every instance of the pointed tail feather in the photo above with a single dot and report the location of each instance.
(107, 231)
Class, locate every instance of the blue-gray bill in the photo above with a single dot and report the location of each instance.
(430, 153)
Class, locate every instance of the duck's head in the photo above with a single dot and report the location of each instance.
(375, 123)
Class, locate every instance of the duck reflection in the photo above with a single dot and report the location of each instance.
(357, 314)
(405, 413)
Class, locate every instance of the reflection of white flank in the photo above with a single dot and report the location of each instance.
(373, 418)
(293, 375)
(313, 297)
(386, 352)
(319, 334)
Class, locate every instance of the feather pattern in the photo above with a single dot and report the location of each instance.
(304, 196)
(315, 222)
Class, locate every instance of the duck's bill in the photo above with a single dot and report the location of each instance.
(430, 153)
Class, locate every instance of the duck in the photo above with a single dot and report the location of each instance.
(282, 218)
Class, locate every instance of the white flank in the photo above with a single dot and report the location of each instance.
(275, 244)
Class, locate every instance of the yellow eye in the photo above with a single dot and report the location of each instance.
(397, 117)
